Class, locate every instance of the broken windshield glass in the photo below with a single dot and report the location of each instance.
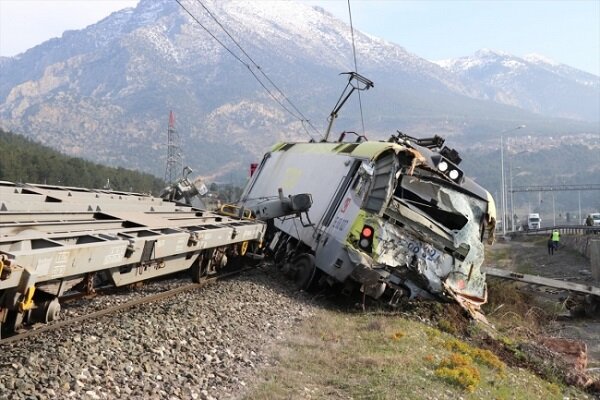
(446, 206)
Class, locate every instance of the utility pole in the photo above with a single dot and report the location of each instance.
(174, 166)
(553, 211)
(512, 199)
(579, 217)
(504, 197)
(503, 186)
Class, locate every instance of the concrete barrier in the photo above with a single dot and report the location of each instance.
(594, 249)
(589, 247)
(579, 243)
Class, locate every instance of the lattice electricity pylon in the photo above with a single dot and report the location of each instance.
(174, 159)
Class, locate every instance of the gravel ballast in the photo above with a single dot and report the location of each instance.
(201, 344)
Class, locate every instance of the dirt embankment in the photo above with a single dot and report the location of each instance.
(549, 306)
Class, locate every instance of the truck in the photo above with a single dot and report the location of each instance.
(534, 221)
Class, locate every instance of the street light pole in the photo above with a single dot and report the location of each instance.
(553, 211)
(503, 186)
(502, 175)
(579, 217)
(512, 194)
(512, 199)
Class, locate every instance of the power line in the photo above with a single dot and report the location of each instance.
(213, 36)
(256, 65)
(300, 116)
(362, 120)
(555, 188)
(303, 119)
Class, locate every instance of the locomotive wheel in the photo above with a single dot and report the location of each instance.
(200, 267)
(304, 271)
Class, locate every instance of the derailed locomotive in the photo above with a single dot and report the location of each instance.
(395, 218)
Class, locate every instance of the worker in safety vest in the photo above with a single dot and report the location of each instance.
(555, 238)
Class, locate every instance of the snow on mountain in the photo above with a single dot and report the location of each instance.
(483, 59)
(582, 77)
(533, 82)
(535, 58)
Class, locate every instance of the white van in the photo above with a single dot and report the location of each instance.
(534, 221)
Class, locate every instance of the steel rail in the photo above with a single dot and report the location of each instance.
(130, 304)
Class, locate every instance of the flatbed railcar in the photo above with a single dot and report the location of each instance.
(52, 237)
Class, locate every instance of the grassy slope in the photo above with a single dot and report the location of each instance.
(338, 355)
(381, 355)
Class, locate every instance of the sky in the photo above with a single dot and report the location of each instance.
(565, 31)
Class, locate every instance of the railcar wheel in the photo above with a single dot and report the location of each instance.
(243, 248)
(304, 271)
(199, 270)
(13, 322)
(47, 311)
(217, 259)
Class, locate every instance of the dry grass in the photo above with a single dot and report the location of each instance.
(373, 356)
(361, 356)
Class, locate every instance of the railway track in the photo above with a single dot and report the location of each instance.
(61, 324)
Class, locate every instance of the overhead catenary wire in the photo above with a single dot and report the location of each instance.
(299, 116)
(241, 61)
(303, 119)
(362, 120)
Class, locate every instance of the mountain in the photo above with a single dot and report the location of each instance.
(533, 82)
(104, 92)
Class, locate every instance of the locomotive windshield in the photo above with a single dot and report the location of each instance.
(452, 209)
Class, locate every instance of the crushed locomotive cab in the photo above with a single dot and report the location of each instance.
(396, 218)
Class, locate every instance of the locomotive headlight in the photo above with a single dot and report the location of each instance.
(447, 168)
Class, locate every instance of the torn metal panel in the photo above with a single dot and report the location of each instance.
(472, 306)
(399, 250)
(491, 221)
(466, 278)
(440, 241)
